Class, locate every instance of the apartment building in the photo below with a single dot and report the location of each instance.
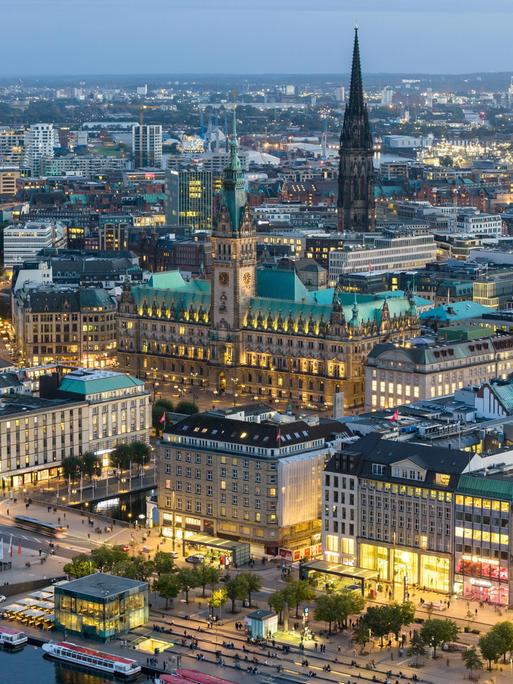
(64, 324)
(8, 178)
(476, 224)
(389, 507)
(89, 411)
(246, 475)
(400, 374)
(147, 145)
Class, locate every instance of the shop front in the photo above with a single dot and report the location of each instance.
(483, 580)
(180, 527)
(225, 552)
(408, 567)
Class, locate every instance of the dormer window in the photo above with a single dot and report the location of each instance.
(378, 469)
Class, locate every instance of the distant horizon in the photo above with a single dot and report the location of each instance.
(258, 36)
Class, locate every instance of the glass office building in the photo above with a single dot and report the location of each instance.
(101, 606)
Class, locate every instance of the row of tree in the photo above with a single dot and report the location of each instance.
(89, 464)
(114, 561)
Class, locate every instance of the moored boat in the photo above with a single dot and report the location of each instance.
(12, 638)
(92, 659)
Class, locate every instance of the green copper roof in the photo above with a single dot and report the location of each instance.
(504, 393)
(456, 311)
(280, 284)
(477, 485)
(173, 280)
(85, 382)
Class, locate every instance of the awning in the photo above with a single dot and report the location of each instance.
(341, 570)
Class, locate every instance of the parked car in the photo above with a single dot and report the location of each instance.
(195, 559)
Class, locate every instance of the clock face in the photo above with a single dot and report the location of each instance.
(223, 278)
(246, 279)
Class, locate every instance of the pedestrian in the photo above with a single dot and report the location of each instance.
(7, 511)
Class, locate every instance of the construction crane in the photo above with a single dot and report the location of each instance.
(142, 109)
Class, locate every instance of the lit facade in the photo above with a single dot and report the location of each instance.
(248, 476)
(101, 606)
(147, 145)
(189, 194)
(68, 325)
(397, 375)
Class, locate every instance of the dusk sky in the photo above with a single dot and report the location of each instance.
(253, 36)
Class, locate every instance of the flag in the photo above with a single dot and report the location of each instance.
(395, 416)
(1, 548)
(10, 546)
(163, 418)
(19, 549)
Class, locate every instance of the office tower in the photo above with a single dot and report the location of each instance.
(189, 199)
(147, 145)
(387, 96)
(12, 143)
(40, 140)
(356, 172)
(340, 94)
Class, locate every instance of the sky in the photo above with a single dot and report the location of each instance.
(253, 36)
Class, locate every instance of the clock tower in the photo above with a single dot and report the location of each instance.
(233, 262)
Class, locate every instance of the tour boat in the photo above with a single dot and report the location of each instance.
(12, 638)
(91, 659)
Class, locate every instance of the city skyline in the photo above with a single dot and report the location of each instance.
(249, 37)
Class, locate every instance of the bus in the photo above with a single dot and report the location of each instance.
(41, 526)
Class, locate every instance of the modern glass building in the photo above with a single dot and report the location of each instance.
(101, 606)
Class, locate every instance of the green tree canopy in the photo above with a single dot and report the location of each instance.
(105, 557)
(121, 456)
(327, 609)
(167, 586)
(298, 592)
(436, 632)
(90, 464)
(80, 566)
(491, 646)
(164, 563)
(504, 631)
(251, 583)
(187, 580)
(141, 453)
(277, 601)
(188, 407)
(71, 467)
(207, 575)
(160, 407)
(235, 590)
(473, 662)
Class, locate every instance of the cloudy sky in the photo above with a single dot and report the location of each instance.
(253, 36)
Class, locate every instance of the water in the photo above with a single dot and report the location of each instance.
(28, 665)
(126, 507)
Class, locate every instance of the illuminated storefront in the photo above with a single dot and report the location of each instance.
(101, 606)
(375, 557)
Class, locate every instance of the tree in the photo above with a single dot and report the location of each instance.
(188, 407)
(417, 647)
(80, 566)
(473, 662)
(277, 601)
(251, 583)
(438, 632)
(504, 631)
(164, 563)
(144, 569)
(121, 456)
(167, 586)
(361, 636)
(235, 590)
(298, 592)
(399, 616)
(377, 619)
(491, 646)
(140, 453)
(158, 410)
(218, 599)
(187, 580)
(206, 574)
(327, 609)
(106, 557)
(89, 464)
(71, 467)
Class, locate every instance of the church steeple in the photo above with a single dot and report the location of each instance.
(356, 172)
(234, 194)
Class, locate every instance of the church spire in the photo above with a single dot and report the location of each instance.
(356, 103)
(234, 193)
(356, 172)
(235, 164)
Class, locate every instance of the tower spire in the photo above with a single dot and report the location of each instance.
(356, 102)
(235, 164)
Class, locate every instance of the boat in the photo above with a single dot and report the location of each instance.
(195, 677)
(92, 659)
(12, 638)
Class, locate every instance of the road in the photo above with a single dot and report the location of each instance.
(67, 548)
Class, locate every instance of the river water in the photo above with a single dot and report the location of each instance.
(29, 667)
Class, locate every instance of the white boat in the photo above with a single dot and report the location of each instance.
(92, 659)
(12, 638)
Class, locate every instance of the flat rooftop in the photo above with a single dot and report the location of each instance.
(101, 585)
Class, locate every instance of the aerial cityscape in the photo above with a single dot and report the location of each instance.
(256, 342)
